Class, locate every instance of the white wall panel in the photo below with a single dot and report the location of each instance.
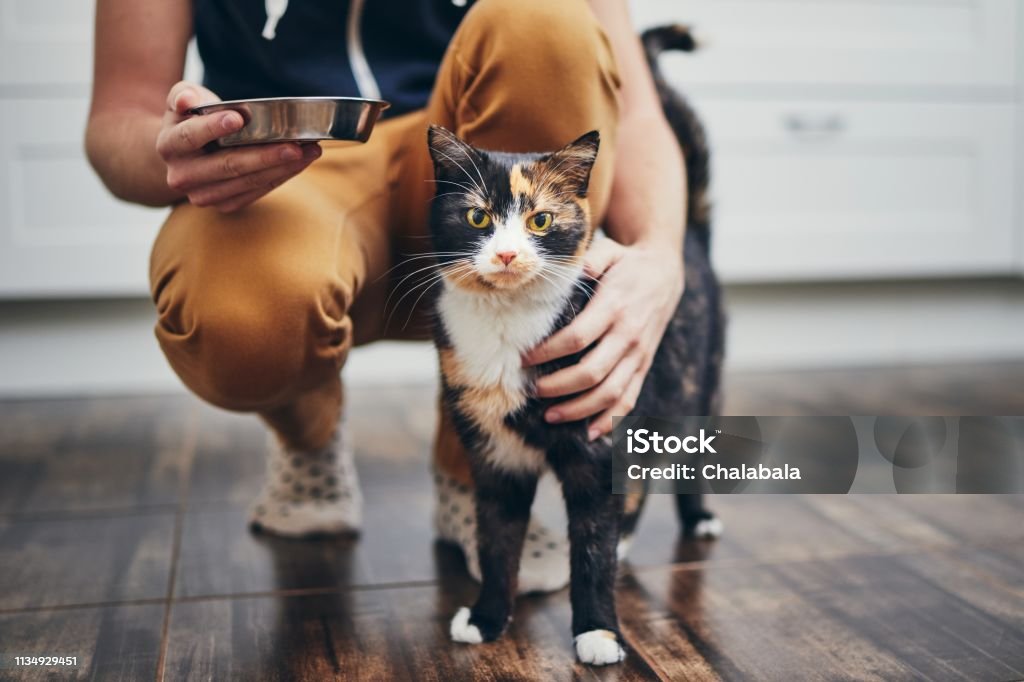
(61, 233)
(860, 190)
(45, 42)
(848, 42)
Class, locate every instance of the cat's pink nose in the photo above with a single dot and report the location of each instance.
(506, 256)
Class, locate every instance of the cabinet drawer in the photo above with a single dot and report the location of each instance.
(855, 190)
(843, 42)
(61, 233)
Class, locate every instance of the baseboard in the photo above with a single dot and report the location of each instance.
(106, 347)
(890, 323)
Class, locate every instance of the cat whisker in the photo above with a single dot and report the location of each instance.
(570, 193)
(432, 267)
(428, 269)
(570, 273)
(562, 261)
(572, 307)
(415, 303)
(448, 194)
(572, 278)
(558, 177)
(420, 254)
(466, 270)
(409, 257)
(465, 172)
(451, 136)
(578, 284)
(429, 273)
(475, 168)
(428, 282)
(469, 190)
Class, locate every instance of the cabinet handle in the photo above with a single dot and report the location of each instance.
(802, 124)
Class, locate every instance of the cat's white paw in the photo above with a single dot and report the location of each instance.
(599, 647)
(462, 631)
(708, 529)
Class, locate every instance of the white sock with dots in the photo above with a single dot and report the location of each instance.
(544, 566)
(310, 492)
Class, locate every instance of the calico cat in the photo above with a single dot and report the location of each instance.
(510, 232)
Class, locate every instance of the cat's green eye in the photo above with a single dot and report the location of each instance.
(478, 218)
(540, 222)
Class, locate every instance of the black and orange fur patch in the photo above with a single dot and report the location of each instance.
(683, 378)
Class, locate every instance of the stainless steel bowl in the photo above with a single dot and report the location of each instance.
(299, 119)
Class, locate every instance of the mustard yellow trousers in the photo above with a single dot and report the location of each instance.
(258, 308)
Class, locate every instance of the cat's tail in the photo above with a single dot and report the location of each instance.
(669, 37)
(685, 123)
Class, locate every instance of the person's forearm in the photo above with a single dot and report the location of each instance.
(121, 145)
(648, 200)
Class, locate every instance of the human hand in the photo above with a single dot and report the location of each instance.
(638, 291)
(226, 179)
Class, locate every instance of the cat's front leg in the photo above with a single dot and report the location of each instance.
(503, 502)
(593, 535)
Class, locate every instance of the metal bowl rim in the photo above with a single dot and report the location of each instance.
(259, 100)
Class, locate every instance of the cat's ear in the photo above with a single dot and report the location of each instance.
(572, 163)
(450, 154)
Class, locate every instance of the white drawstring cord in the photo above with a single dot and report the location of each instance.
(365, 81)
(275, 10)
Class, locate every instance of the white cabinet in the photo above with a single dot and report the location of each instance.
(856, 139)
(857, 190)
(61, 233)
(852, 139)
(844, 42)
(45, 42)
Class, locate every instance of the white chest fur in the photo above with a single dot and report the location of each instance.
(489, 333)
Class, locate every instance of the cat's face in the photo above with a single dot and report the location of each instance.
(501, 221)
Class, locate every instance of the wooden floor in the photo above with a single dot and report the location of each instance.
(123, 542)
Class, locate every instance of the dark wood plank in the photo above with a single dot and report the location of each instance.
(912, 616)
(757, 527)
(84, 561)
(230, 458)
(988, 580)
(219, 555)
(981, 389)
(79, 455)
(391, 429)
(112, 643)
(742, 623)
(928, 626)
(818, 587)
(900, 522)
(391, 634)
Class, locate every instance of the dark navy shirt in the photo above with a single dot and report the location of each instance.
(311, 54)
